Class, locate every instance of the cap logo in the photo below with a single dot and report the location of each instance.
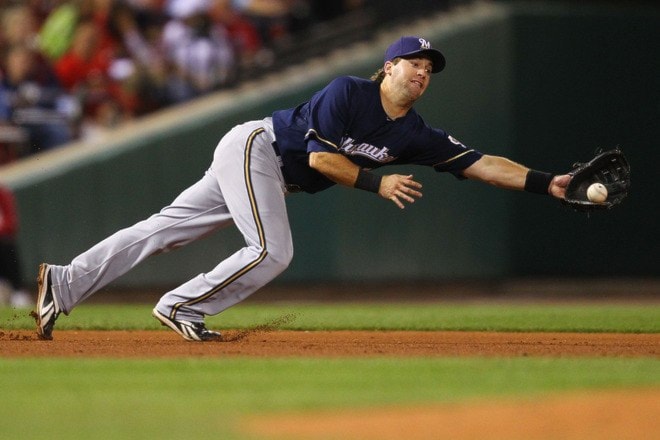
(414, 46)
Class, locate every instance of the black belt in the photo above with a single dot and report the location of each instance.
(290, 187)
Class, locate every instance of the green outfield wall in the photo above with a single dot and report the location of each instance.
(542, 84)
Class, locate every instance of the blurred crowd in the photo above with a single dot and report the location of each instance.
(70, 68)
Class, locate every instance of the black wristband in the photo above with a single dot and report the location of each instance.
(538, 182)
(368, 181)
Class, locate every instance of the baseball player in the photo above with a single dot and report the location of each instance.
(344, 131)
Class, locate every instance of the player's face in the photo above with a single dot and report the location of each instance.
(412, 76)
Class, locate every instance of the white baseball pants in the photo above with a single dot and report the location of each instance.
(244, 186)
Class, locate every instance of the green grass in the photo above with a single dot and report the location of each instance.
(205, 398)
(405, 316)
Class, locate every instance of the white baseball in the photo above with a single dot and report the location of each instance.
(597, 193)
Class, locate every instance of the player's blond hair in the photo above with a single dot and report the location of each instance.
(378, 76)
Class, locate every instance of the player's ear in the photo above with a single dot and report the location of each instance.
(387, 67)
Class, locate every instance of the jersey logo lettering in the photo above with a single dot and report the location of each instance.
(352, 148)
(424, 44)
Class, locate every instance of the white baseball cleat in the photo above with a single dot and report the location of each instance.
(190, 331)
(47, 307)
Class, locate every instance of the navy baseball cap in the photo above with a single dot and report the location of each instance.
(406, 47)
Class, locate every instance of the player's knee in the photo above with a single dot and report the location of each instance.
(280, 259)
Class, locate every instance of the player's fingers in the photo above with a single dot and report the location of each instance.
(558, 192)
(397, 202)
(405, 197)
(409, 182)
(558, 186)
(411, 192)
(409, 187)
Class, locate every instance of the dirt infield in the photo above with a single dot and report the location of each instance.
(604, 415)
(15, 343)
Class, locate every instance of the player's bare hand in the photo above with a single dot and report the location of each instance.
(399, 189)
(558, 186)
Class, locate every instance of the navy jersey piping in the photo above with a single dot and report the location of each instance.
(451, 159)
(320, 139)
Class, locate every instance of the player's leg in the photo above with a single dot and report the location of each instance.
(197, 211)
(248, 173)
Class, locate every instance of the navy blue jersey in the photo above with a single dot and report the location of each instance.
(347, 117)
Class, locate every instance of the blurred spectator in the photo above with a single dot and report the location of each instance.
(140, 29)
(10, 273)
(119, 59)
(84, 71)
(243, 34)
(34, 101)
(57, 29)
(272, 18)
(198, 50)
(19, 26)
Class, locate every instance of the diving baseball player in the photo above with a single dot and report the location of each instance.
(344, 131)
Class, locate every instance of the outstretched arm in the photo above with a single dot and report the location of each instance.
(504, 173)
(394, 187)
